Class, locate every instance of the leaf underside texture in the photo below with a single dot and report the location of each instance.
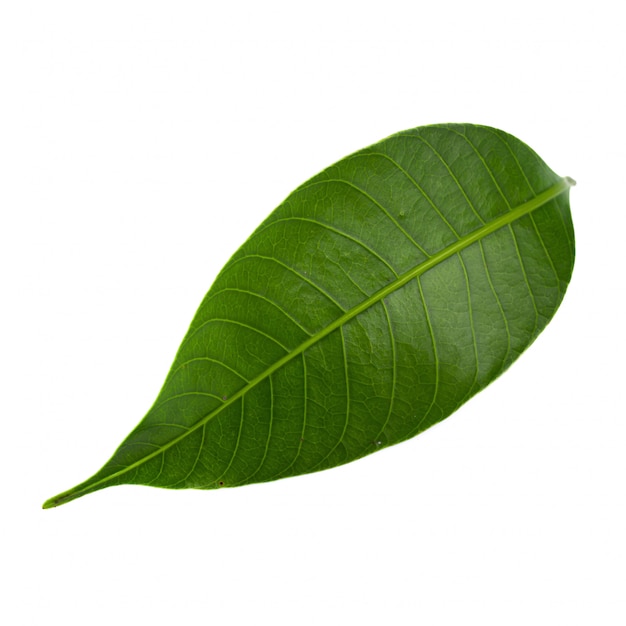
(379, 297)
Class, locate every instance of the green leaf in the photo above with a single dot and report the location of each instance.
(371, 304)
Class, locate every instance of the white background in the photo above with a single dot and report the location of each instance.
(140, 144)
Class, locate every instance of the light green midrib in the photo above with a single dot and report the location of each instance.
(528, 207)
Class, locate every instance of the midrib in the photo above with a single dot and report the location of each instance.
(528, 207)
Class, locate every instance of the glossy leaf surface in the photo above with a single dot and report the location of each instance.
(373, 302)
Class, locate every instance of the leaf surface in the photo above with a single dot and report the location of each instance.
(379, 297)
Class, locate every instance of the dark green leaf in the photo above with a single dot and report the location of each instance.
(373, 302)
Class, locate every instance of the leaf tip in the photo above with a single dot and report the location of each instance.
(60, 499)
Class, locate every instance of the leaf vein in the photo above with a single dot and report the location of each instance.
(290, 269)
(457, 182)
(254, 294)
(412, 180)
(374, 201)
(435, 359)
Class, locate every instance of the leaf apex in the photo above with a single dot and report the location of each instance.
(62, 498)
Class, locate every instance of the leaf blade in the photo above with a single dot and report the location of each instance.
(342, 295)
